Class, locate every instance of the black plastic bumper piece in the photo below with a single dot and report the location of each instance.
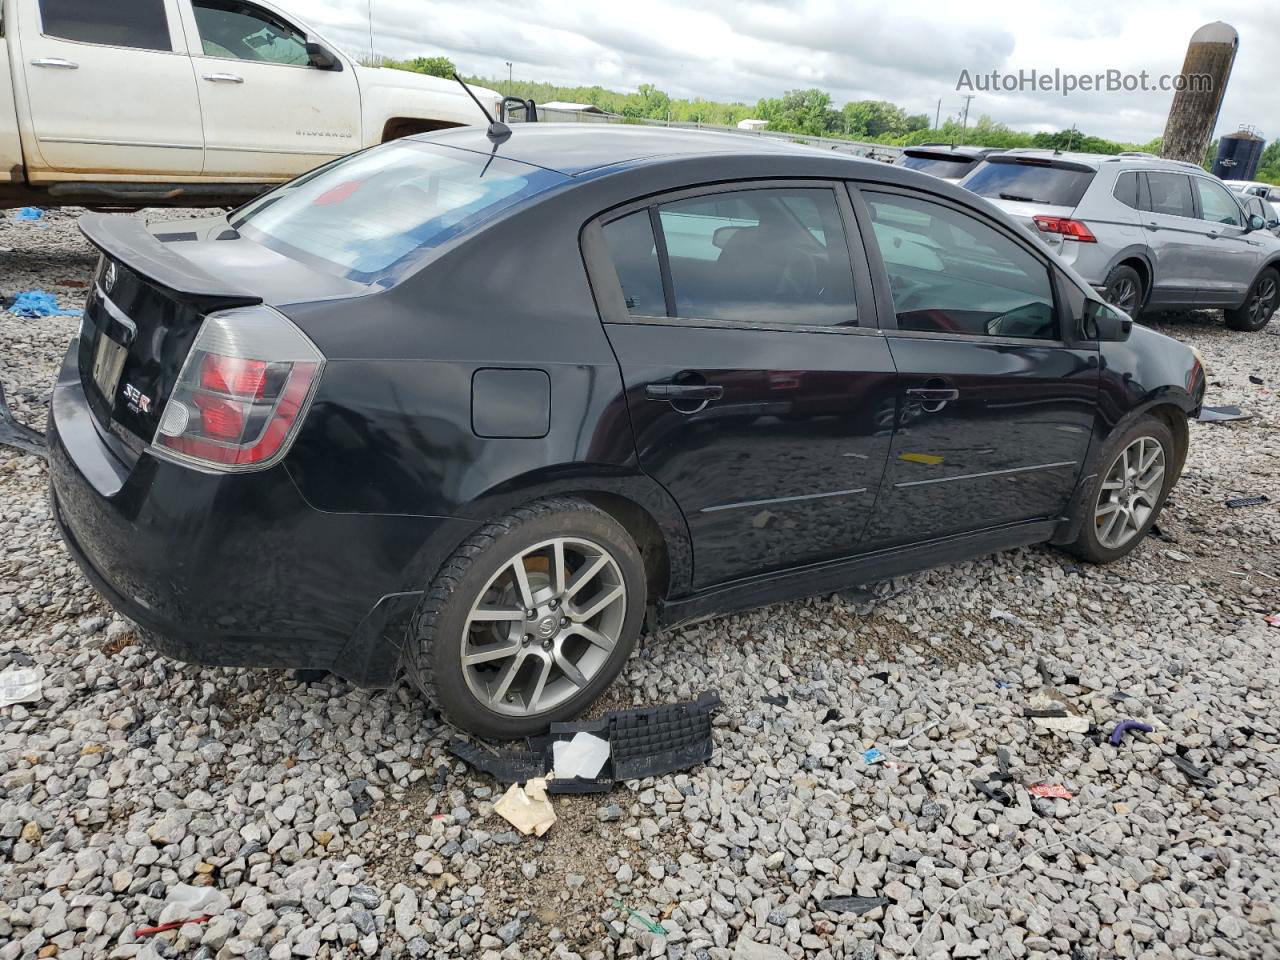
(644, 742)
(19, 435)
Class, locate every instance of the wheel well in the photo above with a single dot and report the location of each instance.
(1176, 420)
(1143, 271)
(398, 127)
(644, 530)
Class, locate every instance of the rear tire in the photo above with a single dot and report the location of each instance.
(1255, 313)
(530, 620)
(1123, 501)
(1124, 289)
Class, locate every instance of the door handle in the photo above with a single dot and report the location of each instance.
(223, 78)
(683, 391)
(55, 62)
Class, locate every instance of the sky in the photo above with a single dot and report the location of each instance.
(911, 52)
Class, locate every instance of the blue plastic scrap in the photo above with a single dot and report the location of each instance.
(37, 303)
(872, 756)
(28, 213)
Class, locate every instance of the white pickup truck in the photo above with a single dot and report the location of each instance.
(118, 103)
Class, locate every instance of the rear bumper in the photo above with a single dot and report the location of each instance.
(236, 570)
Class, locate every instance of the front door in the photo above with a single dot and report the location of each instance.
(1230, 255)
(996, 401)
(759, 397)
(268, 114)
(110, 88)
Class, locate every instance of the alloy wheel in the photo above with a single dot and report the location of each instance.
(1263, 301)
(1129, 492)
(1123, 294)
(543, 626)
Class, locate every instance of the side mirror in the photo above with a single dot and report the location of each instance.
(1256, 222)
(1106, 323)
(1272, 224)
(322, 58)
(516, 110)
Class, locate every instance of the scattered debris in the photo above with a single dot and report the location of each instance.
(20, 685)
(38, 303)
(527, 808)
(583, 756)
(1158, 532)
(142, 932)
(1222, 414)
(993, 793)
(1176, 556)
(184, 903)
(872, 756)
(18, 435)
(1048, 791)
(1005, 616)
(640, 918)
(1255, 379)
(1062, 724)
(1003, 763)
(1235, 503)
(1117, 735)
(928, 459)
(831, 716)
(854, 905)
(1194, 774)
(1273, 619)
(27, 214)
(644, 742)
(882, 676)
(778, 701)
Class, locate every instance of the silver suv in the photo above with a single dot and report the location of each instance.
(1147, 233)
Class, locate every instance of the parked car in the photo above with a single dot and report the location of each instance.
(189, 102)
(1255, 206)
(1255, 188)
(945, 161)
(476, 410)
(1146, 233)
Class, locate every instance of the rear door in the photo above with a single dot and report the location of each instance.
(268, 114)
(996, 394)
(761, 393)
(1230, 255)
(110, 88)
(1175, 238)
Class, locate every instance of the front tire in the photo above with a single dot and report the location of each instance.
(1124, 499)
(1255, 313)
(530, 620)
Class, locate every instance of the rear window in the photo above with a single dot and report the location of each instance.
(371, 213)
(1030, 181)
(141, 24)
(939, 166)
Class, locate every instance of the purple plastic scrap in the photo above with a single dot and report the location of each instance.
(1118, 733)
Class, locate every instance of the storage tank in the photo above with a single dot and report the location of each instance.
(1238, 155)
(1194, 111)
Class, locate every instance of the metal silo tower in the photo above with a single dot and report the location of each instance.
(1194, 112)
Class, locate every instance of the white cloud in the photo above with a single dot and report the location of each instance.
(910, 52)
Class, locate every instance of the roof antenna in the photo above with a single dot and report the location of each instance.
(498, 132)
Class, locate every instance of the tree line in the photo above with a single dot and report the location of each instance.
(814, 113)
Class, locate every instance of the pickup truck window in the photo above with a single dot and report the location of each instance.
(141, 24)
(241, 31)
(373, 212)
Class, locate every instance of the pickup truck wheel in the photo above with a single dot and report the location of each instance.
(1120, 505)
(1255, 313)
(530, 619)
(1124, 290)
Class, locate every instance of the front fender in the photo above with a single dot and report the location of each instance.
(380, 104)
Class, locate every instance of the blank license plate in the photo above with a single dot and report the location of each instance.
(108, 361)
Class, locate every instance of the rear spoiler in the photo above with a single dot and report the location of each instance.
(128, 240)
(1053, 162)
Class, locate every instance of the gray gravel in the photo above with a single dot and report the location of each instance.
(336, 825)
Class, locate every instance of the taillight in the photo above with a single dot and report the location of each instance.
(1070, 229)
(243, 390)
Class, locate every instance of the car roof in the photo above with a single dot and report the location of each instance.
(1147, 161)
(576, 148)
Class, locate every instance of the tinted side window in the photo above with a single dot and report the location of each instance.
(230, 29)
(1126, 190)
(141, 24)
(760, 256)
(1216, 203)
(951, 273)
(1171, 194)
(635, 257)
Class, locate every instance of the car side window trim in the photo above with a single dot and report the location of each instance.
(177, 38)
(1069, 334)
(608, 290)
(269, 16)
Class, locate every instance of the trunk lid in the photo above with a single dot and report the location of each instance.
(144, 309)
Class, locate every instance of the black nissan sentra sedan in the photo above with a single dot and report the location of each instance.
(478, 411)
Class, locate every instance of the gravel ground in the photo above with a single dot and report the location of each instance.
(336, 826)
